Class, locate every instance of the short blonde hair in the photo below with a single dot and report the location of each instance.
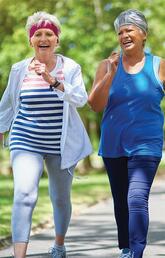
(38, 17)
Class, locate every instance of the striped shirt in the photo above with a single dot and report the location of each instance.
(38, 124)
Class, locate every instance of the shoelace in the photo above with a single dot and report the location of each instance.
(127, 255)
(56, 253)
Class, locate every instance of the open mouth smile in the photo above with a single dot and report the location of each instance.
(43, 46)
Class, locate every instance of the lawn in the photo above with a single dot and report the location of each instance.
(87, 190)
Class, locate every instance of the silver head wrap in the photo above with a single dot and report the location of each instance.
(131, 17)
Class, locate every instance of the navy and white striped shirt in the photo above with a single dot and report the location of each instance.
(38, 124)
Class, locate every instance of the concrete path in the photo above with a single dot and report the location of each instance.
(93, 233)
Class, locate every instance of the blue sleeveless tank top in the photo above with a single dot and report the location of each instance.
(132, 122)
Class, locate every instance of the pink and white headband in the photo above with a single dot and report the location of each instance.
(44, 25)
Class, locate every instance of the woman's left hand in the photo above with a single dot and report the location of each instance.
(41, 69)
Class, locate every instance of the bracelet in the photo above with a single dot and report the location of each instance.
(55, 85)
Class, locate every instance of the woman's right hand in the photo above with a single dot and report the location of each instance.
(112, 62)
(105, 73)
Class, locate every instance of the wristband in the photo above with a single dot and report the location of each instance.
(55, 85)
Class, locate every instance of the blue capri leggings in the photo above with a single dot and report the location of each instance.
(131, 180)
(27, 170)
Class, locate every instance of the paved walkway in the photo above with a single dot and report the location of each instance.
(93, 233)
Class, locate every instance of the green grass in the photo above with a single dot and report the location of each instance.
(90, 189)
(86, 191)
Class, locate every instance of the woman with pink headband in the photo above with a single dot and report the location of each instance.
(39, 107)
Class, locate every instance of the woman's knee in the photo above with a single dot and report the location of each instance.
(23, 198)
(61, 202)
(138, 201)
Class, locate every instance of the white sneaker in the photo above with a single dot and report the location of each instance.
(54, 253)
(126, 255)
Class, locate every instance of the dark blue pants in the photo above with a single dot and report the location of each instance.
(131, 179)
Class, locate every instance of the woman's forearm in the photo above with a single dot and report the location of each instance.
(99, 94)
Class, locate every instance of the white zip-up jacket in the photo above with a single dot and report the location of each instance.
(75, 143)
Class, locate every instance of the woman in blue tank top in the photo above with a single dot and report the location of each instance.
(129, 87)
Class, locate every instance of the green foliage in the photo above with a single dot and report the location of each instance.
(87, 30)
